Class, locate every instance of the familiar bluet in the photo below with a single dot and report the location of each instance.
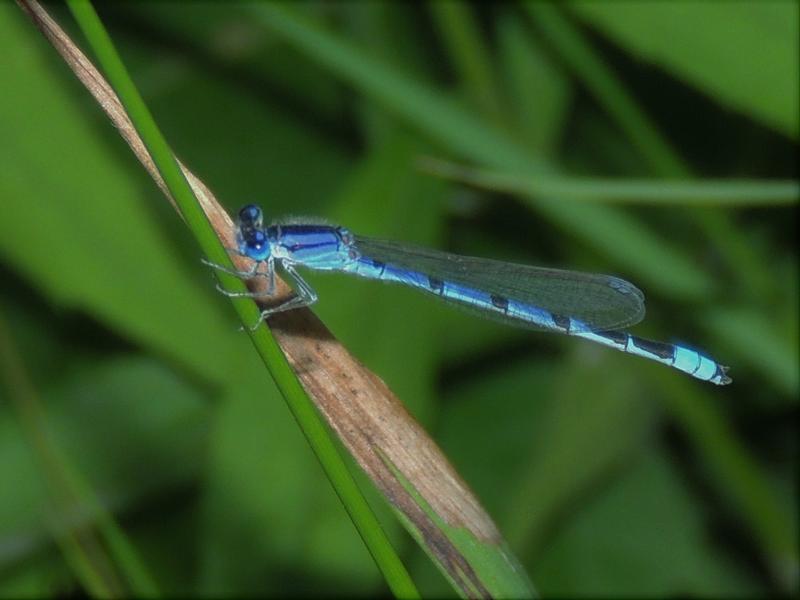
(584, 305)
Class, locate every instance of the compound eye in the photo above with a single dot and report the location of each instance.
(257, 240)
(250, 216)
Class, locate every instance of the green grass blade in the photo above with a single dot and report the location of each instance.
(701, 192)
(737, 472)
(762, 344)
(743, 259)
(99, 552)
(461, 132)
(496, 570)
(599, 79)
(539, 93)
(643, 133)
(749, 47)
(461, 36)
(301, 406)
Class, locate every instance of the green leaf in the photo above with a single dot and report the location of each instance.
(80, 233)
(372, 319)
(642, 531)
(746, 57)
(539, 92)
(475, 566)
(127, 449)
(747, 488)
(580, 438)
(755, 341)
(36, 578)
(460, 32)
(644, 134)
(100, 554)
(303, 409)
(445, 121)
(271, 503)
(692, 192)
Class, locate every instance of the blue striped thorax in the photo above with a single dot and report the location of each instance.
(585, 305)
(324, 247)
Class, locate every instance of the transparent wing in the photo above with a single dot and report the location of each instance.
(601, 301)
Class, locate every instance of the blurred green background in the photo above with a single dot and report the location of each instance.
(607, 474)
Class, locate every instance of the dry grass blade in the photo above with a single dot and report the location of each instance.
(391, 447)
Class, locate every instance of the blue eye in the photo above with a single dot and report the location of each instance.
(255, 239)
(250, 216)
(254, 243)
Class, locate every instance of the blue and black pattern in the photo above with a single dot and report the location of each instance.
(584, 305)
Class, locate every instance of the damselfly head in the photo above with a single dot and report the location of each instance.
(250, 217)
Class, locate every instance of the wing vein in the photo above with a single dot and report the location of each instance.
(601, 301)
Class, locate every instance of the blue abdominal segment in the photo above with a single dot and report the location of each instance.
(584, 305)
(679, 357)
